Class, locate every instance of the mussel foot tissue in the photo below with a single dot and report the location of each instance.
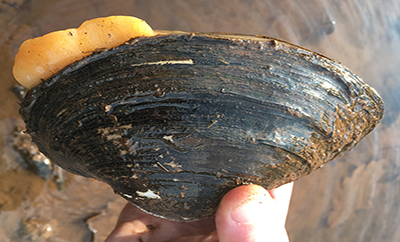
(174, 120)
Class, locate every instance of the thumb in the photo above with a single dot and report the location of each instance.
(249, 213)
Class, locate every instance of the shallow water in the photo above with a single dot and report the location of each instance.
(353, 198)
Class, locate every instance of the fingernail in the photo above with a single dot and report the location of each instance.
(250, 210)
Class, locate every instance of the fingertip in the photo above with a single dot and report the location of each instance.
(130, 225)
(237, 213)
(127, 231)
(248, 213)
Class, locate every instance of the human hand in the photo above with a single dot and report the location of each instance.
(246, 213)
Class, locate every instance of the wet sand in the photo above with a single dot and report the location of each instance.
(353, 198)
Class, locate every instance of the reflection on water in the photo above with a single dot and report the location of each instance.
(350, 199)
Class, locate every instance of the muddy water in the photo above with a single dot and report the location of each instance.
(354, 198)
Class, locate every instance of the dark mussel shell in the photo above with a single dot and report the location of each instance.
(173, 122)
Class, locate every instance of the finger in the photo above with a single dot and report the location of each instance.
(197, 238)
(249, 213)
(135, 225)
(129, 226)
(282, 197)
(282, 193)
(127, 232)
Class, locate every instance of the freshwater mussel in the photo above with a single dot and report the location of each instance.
(173, 121)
